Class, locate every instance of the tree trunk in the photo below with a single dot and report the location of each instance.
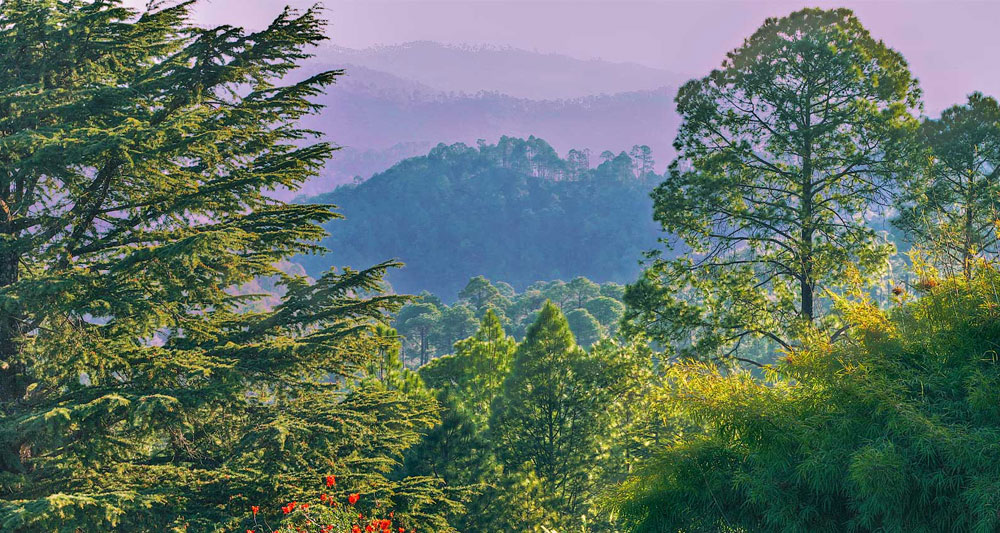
(13, 381)
(967, 255)
(806, 282)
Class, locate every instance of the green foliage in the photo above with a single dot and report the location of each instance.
(459, 211)
(430, 328)
(783, 153)
(456, 322)
(459, 450)
(951, 208)
(476, 371)
(498, 398)
(416, 322)
(894, 429)
(549, 417)
(608, 311)
(138, 390)
(481, 294)
(586, 329)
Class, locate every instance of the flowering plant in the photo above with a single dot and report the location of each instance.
(328, 515)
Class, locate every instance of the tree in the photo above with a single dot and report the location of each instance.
(783, 152)
(480, 293)
(417, 321)
(551, 412)
(642, 160)
(137, 392)
(577, 162)
(951, 209)
(581, 290)
(488, 354)
(584, 326)
(387, 360)
(638, 426)
(456, 323)
(613, 290)
(607, 311)
(892, 430)
(475, 373)
(458, 449)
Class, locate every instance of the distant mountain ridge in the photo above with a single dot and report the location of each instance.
(511, 71)
(399, 101)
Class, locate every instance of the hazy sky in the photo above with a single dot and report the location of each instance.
(953, 47)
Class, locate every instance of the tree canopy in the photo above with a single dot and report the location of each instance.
(138, 391)
(950, 209)
(783, 153)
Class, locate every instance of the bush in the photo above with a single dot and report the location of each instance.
(895, 428)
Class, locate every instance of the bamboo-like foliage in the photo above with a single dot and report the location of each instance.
(894, 429)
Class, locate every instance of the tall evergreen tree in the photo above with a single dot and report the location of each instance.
(551, 413)
(477, 369)
(952, 209)
(784, 151)
(416, 322)
(135, 154)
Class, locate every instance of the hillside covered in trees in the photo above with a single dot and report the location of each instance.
(514, 211)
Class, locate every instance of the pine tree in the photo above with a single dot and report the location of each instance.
(476, 372)
(551, 413)
(459, 450)
(951, 209)
(137, 151)
(784, 151)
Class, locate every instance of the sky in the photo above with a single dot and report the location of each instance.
(952, 46)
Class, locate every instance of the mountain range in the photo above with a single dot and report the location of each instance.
(399, 101)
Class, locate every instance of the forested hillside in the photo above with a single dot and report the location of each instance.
(514, 211)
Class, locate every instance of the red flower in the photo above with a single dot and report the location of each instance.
(254, 509)
(402, 530)
(369, 528)
(304, 506)
(323, 497)
(353, 498)
(331, 481)
(355, 529)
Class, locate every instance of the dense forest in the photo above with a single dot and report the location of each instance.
(514, 211)
(429, 327)
(165, 367)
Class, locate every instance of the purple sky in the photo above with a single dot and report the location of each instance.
(953, 47)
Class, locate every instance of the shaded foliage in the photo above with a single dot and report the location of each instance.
(459, 211)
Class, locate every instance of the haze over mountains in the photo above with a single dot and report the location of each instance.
(511, 71)
(399, 101)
